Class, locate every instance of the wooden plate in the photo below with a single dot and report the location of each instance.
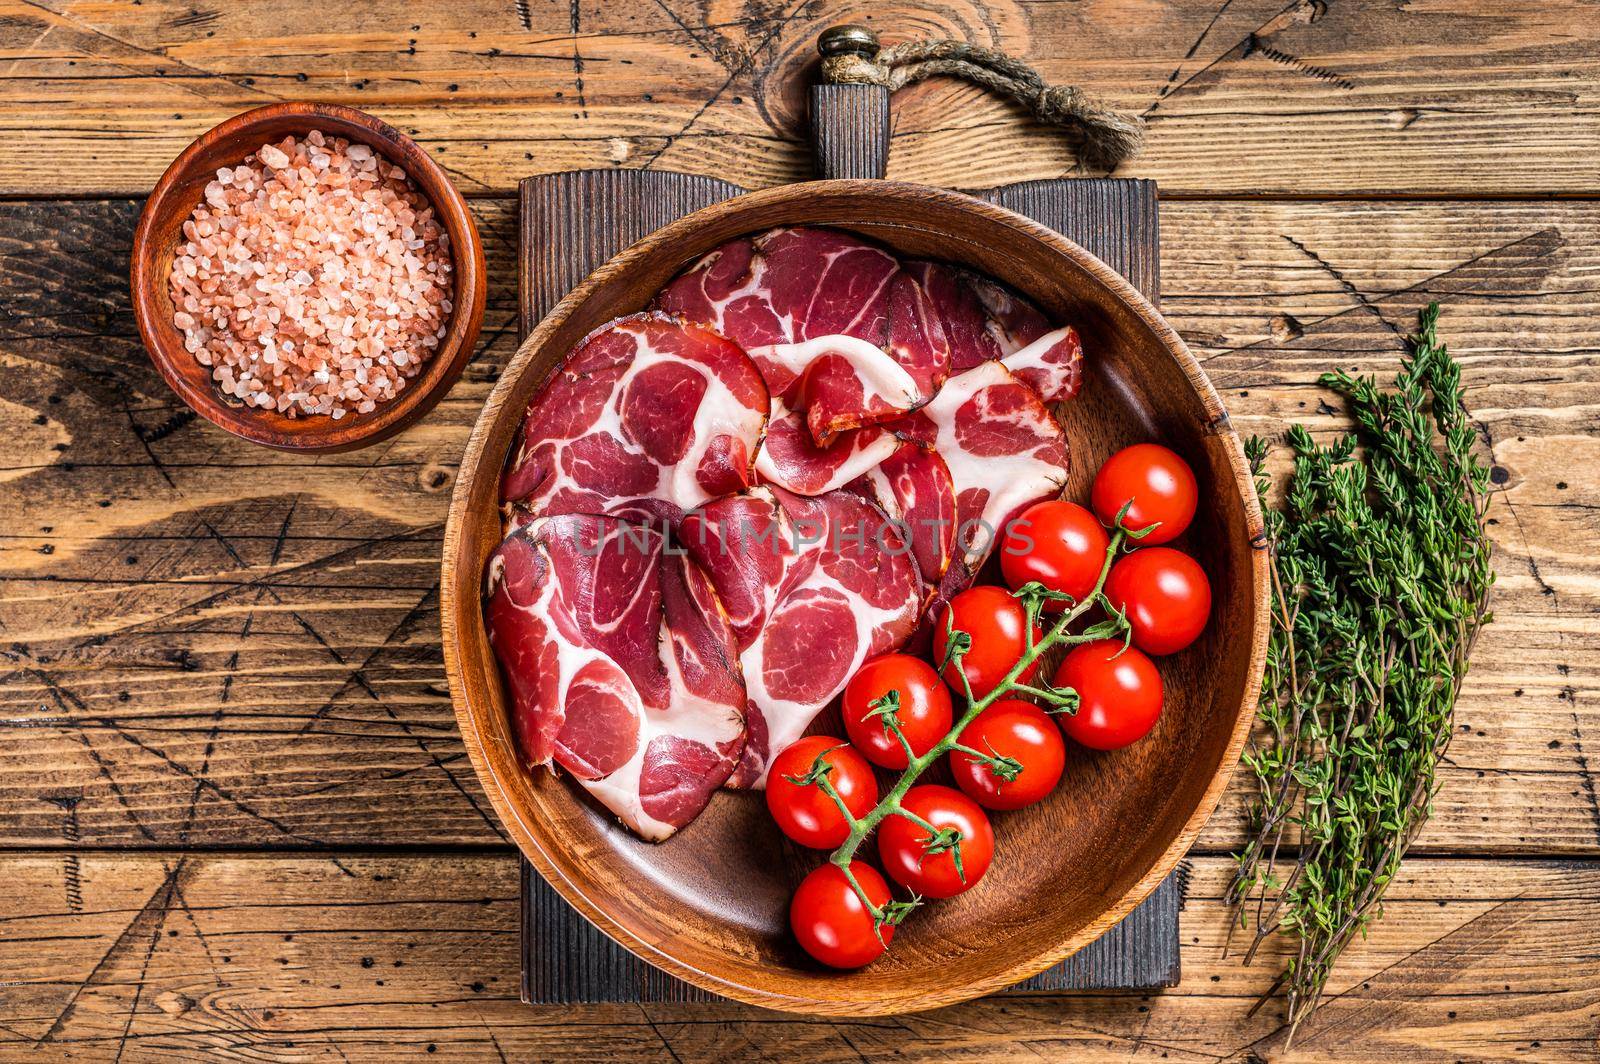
(710, 905)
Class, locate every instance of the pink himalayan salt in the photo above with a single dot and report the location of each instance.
(313, 278)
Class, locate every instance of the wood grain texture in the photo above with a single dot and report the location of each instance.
(1346, 285)
(1140, 952)
(573, 221)
(567, 960)
(850, 130)
(1117, 220)
(265, 671)
(1292, 96)
(369, 958)
(206, 646)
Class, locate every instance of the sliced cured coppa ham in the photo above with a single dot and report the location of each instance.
(621, 665)
(839, 382)
(813, 587)
(1052, 365)
(913, 487)
(843, 336)
(648, 417)
(1004, 452)
(835, 440)
(984, 320)
(1003, 449)
(791, 459)
(793, 286)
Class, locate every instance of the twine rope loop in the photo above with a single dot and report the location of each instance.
(1106, 138)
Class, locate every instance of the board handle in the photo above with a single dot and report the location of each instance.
(850, 123)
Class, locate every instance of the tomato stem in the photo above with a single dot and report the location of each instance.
(921, 822)
(821, 780)
(890, 803)
(891, 720)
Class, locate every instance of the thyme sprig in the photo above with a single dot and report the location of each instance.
(1380, 585)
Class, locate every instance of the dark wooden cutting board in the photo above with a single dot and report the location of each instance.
(570, 224)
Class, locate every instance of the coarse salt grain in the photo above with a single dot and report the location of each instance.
(313, 279)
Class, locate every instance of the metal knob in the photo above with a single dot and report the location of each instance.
(848, 39)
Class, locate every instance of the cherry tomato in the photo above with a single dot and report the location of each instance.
(995, 620)
(1166, 596)
(1059, 544)
(804, 812)
(923, 708)
(1161, 485)
(1022, 732)
(903, 845)
(1119, 694)
(831, 922)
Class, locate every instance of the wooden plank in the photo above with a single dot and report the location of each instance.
(850, 130)
(361, 957)
(284, 744)
(1141, 952)
(572, 222)
(212, 644)
(567, 960)
(1285, 96)
(1118, 221)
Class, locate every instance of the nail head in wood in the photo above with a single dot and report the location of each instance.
(848, 39)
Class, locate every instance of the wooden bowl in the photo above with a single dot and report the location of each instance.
(161, 226)
(710, 904)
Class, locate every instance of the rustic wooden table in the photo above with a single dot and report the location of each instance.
(237, 816)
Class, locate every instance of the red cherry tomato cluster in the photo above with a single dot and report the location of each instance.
(937, 842)
(1163, 592)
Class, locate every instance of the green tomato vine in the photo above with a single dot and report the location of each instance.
(1033, 597)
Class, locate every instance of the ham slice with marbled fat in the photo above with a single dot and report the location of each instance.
(791, 459)
(648, 417)
(813, 587)
(914, 489)
(1003, 449)
(835, 440)
(803, 285)
(839, 383)
(621, 665)
(984, 321)
(1004, 452)
(844, 338)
